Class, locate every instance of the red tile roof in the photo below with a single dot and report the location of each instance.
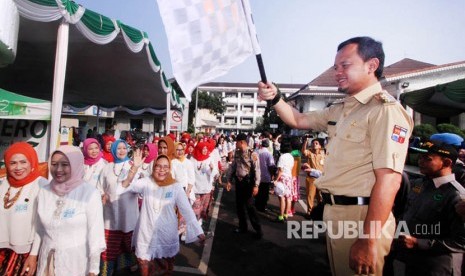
(405, 65)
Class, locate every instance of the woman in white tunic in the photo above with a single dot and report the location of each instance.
(19, 209)
(70, 221)
(120, 212)
(150, 153)
(205, 170)
(93, 161)
(156, 237)
(182, 170)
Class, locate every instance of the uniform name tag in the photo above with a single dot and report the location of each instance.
(169, 195)
(399, 134)
(331, 123)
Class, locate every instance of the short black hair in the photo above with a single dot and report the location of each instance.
(367, 48)
(286, 144)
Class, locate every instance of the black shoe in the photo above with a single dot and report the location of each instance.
(308, 216)
(239, 231)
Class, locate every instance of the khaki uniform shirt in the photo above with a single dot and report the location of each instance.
(367, 131)
(315, 161)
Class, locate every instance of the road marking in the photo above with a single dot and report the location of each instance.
(207, 249)
(302, 203)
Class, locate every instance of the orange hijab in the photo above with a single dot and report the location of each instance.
(170, 144)
(169, 178)
(31, 155)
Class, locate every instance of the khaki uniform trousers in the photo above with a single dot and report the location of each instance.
(339, 248)
(311, 192)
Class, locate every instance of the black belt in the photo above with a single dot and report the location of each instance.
(344, 200)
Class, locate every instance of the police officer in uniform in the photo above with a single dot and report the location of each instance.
(245, 172)
(368, 134)
(432, 240)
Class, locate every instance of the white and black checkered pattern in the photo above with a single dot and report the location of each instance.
(205, 39)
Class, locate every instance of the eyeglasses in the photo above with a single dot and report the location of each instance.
(161, 167)
(181, 150)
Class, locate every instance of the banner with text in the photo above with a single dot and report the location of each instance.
(34, 132)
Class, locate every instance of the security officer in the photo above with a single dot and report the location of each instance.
(368, 134)
(433, 234)
(245, 171)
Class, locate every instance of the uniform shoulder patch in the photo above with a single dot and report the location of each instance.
(385, 98)
(399, 134)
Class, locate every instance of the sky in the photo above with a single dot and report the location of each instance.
(298, 38)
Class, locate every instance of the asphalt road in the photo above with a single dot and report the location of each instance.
(228, 253)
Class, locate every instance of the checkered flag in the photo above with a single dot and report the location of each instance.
(206, 38)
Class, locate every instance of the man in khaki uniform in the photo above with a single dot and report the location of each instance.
(368, 135)
(315, 161)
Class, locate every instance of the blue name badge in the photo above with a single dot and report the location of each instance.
(19, 208)
(169, 195)
(69, 213)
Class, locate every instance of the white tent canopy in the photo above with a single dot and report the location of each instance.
(71, 55)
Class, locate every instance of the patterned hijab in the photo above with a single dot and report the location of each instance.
(114, 149)
(31, 155)
(76, 161)
(87, 159)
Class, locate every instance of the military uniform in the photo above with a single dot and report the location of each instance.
(431, 218)
(367, 131)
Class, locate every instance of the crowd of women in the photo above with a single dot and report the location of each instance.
(102, 211)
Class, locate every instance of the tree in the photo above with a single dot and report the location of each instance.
(271, 117)
(451, 129)
(424, 131)
(213, 102)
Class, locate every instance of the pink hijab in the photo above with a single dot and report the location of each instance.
(153, 153)
(87, 159)
(76, 160)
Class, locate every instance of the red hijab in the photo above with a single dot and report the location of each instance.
(107, 154)
(197, 154)
(31, 155)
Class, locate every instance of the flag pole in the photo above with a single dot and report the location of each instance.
(254, 41)
(261, 68)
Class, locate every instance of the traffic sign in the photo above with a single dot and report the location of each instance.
(176, 116)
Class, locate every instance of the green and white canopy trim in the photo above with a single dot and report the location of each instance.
(129, 109)
(15, 106)
(98, 29)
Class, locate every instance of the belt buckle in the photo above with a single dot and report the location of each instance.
(333, 202)
(360, 200)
